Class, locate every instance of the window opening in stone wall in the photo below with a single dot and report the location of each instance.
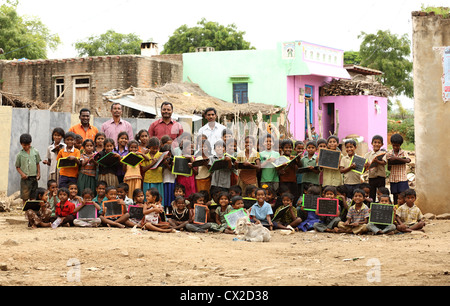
(59, 87)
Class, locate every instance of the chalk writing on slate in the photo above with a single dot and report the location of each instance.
(381, 213)
(327, 207)
(329, 159)
(200, 216)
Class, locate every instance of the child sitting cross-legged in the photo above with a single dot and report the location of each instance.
(357, 216)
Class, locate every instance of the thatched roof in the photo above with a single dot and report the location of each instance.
(15, 100)
(189, 99)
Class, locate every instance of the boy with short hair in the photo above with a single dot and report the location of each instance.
(269, 175)
(67, 175)
(397, 178)
(122, 191)
(27, 164)
(377, 174)
(309, 160)
(408, 216)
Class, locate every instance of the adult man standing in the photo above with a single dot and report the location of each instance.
(166, 125)
(212, 130)
(113, 127)
(84, 128)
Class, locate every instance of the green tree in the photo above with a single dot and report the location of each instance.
(24, 36)
(389, 53)
(352, 58)
(109, 43)
(207, 34)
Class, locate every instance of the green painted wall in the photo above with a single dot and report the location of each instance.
(213, 72)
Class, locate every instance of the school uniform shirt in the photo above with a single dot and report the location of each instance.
(358, 215)
(409, 215)
(69, 172)
(222, 177)
(310, 177)
(398, 172)
(269, 172)
(351, 177)
(261, 212)
(28, 162)
(379, 170)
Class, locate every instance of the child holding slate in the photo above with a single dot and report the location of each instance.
(69, 174)
(352, 179)
(269, 175)
(111, 195)
(312, 218)
(40, 218)
(285, 216)
(169, 178)
(220, 178)
(197, 198)
(52, 152)
(87, 196)
(332, 177)
(309, 161)
(408, 216)
(397, 160)
(88, 168)
(133, 176)
(138, 200)
(224, 208)
(122, 150)
(187, 181)
(153, 178)
(376, 162)
(328, 223)
(152, 211)
(107, 168)
(288, 173)
(64, 209)
(180, 214)
(248, 162)
(379, 229)
(357, 216)
(203, 176)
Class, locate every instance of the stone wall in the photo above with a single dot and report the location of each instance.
(431, 114)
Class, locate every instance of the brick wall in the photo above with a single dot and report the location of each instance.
(36, 79)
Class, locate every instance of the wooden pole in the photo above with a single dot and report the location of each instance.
(59, 97)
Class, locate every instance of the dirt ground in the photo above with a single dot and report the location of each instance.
(111, 256)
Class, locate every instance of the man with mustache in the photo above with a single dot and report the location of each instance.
(113, 127)
(166, 125)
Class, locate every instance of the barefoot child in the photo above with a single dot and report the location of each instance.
(180, 214)
(409, 217)
(87, 196)
(64, 209)
(261, 210)
(152, 211)
(111, 194)
(285, 216)
(379, 229)
(40, 218)
(357, 216)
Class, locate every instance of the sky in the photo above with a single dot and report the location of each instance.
(331, 23)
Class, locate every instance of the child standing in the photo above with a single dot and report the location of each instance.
(27, 164)
(67, 175)
(261, 210)
(352, 180)
(142, 137)
(357, 216)
(108, 173)
(153, 178)
(377, 174)
(203, 177)
(40, 218)
(269, 175)
(88, 168)
(133, 176)
(408, 216)
(220, 179)
(99, 141)
(397, 178)
(185, 150)
(309, 160)
(52, 151)
(288, 174)
(169, 178)
(152, 211)
(332, 177)
(122, 150)
(299, 148)
(250, 159)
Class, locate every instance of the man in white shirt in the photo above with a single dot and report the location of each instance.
(212, 130)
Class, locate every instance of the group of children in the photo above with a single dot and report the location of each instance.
(255, 179)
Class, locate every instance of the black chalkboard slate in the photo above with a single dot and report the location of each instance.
(181, 166)
(132, 159)
(200, 216)
(200, 162)
(248, 202)
(306, 169)
(136, 212)
(108, 160)
(381, 213)
(380, 156)
(219, 165)
(360, 163)
(309, 202)
(329, 159)
(87, 212)
(280, 161)
(396, 162)
(327, 207)
(31, 204)
(242, 166)
(64, 162)
(112, 209)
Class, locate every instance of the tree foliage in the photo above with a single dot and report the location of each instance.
(109, 43)
(389, 53)
(24, 36)
(352, 58)
(207, 34)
